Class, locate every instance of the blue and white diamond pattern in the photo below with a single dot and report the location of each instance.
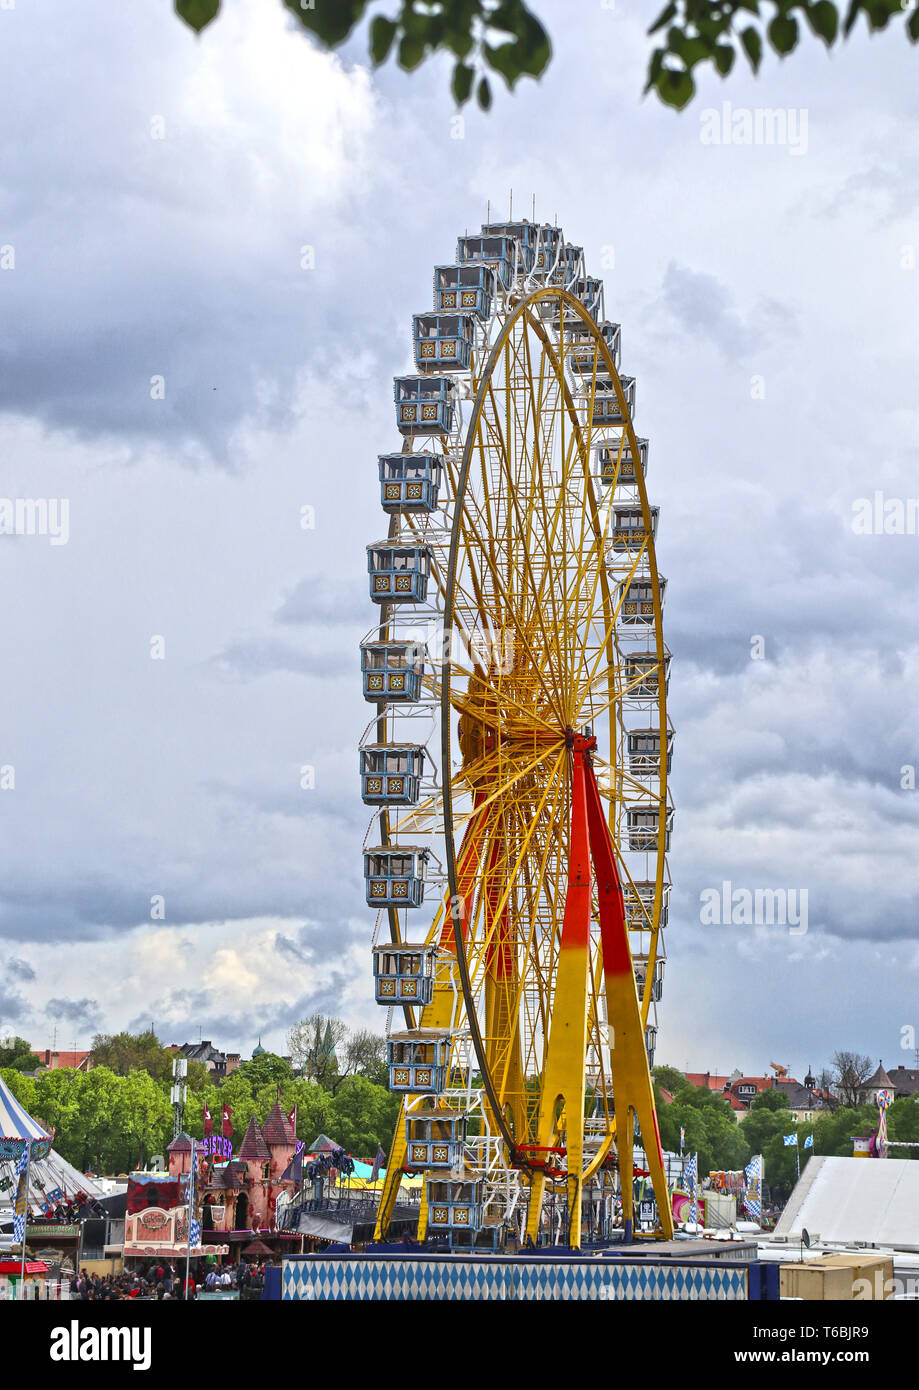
(407, 1280)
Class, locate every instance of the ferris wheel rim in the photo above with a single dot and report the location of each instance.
(521, 311)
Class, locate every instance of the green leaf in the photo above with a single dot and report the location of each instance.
(411, 52)
(382, 33)
(783, 33)
(535, 48)
(504, 58)
(880, 14)
(197, 13)
(753, 47)
(663, 18)
(824, 20)
(851, 17)
(675, 88)
(330, 23)
(483, 94)
(724, 58)
(461, 85)
(690, 50)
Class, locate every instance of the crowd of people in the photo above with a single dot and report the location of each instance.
(160, 1280)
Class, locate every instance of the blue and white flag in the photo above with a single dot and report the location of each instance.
(19, 1203)
(753, 1192)
(809, 1142)
(194, 1227)
(790, 1141)
(690, 1173)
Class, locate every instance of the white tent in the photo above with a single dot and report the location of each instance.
(848, 1200)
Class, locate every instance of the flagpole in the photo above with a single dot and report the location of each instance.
(25, 1224)
(191, 1215)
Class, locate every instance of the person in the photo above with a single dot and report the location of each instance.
(226, 1279)
(211, 1280)
(189, 1290)
(242, 1276)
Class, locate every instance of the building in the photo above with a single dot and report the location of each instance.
(869, 1090)
(740, 1091)
(241, 1196)
(219, 1064)
(52, 1060)
(904, 1081)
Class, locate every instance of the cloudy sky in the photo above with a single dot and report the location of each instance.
(217, 247)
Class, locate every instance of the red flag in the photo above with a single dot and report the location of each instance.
(292, 1118)
(208, 1122)
(226, 1128)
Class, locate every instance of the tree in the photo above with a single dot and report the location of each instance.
(484, 37)
(314, 1045)
(267, 1067)
(17, 1055)
(363, 1116)
(126, 1052)
(365, 1055)
(669, 1079)
(850, 1070)
(325, 1050)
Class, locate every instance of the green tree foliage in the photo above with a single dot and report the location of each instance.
(17, 1055)
(107, 1123)
(708, 35)
(126, 1052)
(711, 1130)
(485, 37)
(362, 1116)
(268, 1067)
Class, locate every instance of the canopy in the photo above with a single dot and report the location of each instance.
(15, 1123)
(322, 1144)
(15, 1267)
(258, 1247)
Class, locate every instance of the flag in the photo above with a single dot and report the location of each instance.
(194, 1226)
(378, 1163)
(682, 1135)
(19, 1204)
(292, 1120)
(690, 1173)
(226, 1124)
(809, 1142)
(790, 1141)
(208, 1122)
(753, 1192)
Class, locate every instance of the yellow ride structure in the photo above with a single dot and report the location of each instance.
(517, 761)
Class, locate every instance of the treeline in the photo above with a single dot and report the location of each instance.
(722, 1143)
(114, 1118)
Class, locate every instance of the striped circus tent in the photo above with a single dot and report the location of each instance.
(17, 1126)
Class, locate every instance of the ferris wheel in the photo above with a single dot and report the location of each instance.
(517, 760)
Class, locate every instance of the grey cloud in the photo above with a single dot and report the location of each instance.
(267, 656)
(19, 969)
(703, 307)
(84, 1014)
(328, 601)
